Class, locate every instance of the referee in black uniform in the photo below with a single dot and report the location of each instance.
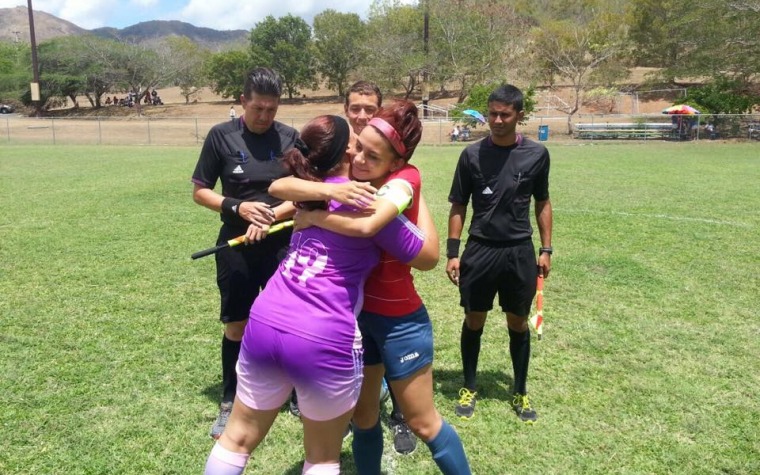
(245, 155)
(499, 174)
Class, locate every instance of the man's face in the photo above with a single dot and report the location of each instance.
(360, 109)
(259, 112)
(503, 119)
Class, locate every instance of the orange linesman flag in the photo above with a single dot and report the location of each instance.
(537, 320)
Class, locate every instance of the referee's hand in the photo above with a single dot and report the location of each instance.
(452, 270)
(256, 212)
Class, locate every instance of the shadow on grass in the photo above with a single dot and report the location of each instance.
(492, 384)
(213, 392)
(347, 466)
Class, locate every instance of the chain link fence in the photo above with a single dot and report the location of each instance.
(192, 131)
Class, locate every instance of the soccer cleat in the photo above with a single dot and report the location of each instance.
(294, 408)
(385, 393)
(404, 441)
(465, 408)
(521, 405)
(225, 409)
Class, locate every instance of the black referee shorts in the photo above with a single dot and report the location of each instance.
(242, 271)
(488, 268)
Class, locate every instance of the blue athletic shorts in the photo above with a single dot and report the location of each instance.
(403, 344)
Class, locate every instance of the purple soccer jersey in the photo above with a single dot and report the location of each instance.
(318, 289)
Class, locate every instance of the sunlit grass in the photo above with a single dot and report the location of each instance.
(109, 341)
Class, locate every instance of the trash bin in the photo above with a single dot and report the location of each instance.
(543, 133)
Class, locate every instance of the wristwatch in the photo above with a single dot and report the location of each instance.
(549, 250)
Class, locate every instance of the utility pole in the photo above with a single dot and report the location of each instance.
(35, 85)
(425, 86)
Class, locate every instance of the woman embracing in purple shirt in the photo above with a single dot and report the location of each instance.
(302, 330)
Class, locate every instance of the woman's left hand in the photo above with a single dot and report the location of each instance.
(305, 219)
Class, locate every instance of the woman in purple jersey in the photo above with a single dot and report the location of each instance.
(397, 330)
(302, 330)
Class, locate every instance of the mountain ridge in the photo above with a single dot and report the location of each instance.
(14, 26)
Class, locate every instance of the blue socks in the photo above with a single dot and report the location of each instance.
(368, 449)
(448, 452)
(446, 447)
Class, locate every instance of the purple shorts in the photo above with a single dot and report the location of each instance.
(327, 379)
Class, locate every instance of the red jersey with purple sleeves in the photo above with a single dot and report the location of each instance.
(317, 292)
(390, 288)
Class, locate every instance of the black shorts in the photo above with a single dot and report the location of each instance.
(242, 271)
(489, 268)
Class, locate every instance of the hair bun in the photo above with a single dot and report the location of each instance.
(301, 146)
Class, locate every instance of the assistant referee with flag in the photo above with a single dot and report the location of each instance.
(500, 174)
(246, 156)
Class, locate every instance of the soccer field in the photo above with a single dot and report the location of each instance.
(109, 338)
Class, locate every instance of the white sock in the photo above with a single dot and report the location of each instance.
(225, 462)
(320, 468)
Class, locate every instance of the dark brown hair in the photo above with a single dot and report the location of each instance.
(313, 156)
(365, 88)
(403, 116)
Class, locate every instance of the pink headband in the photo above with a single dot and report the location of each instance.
(389, 133)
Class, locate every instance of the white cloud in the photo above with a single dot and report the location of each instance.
(245, 15)
(12, 3)
(144, 3)
(84, 13)
(88, 14)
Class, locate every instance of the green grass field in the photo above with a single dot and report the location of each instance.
(109, 339)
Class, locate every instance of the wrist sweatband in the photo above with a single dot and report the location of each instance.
(396, 196)
(231, 207)
(452, 248)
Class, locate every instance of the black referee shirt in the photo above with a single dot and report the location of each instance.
(501, 181)
(246, 163)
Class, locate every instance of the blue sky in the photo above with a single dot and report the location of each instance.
(217, 14)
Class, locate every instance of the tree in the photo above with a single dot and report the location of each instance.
(137, 69)
(186, 63)
(339, 44)
(71, 66)
(698, 39)
(722, 96)
(60, 65)
(478, 99)
(396, 58)
(657, 28)
(101, 78)
(285, 45)
(15, 70)
(580, 50)
(226, 71)
(474, 41)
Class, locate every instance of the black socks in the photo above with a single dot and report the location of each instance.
(470, 348)
(230, 352)
(519, 349)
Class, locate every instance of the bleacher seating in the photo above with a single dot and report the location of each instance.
(621, 130)
(754, 130)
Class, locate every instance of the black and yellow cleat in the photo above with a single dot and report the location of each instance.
(465, 408)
